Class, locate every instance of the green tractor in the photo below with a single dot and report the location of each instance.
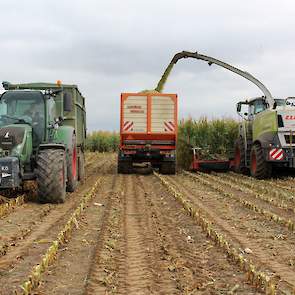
(42, 138)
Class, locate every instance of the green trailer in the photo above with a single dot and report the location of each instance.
(42, 138)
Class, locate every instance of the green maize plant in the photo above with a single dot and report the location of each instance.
(102, 141)
(215, 138)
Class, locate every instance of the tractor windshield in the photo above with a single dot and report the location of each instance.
(24, 107)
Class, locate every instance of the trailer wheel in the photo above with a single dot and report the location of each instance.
(168, 168)
(239, 160)
(81, 168)
(124, 167)
(72, 166)
(51, 176)
(259, 167)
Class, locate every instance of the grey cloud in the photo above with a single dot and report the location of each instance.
(108, 47)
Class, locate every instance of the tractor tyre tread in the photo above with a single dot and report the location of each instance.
(51, 186)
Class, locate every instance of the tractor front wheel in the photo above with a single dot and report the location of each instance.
(259, 168)
(51, 176)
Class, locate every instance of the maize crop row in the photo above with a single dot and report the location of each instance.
(263, 186)
(64, 235)
(272, 183)
(252, 189)
(269, 215)
(8, 207)
(258, 278)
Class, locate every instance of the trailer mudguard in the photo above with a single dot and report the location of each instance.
(64, 135)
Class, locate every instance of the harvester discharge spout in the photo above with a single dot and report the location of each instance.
(186, 54)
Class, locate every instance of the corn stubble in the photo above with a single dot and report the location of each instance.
(258, 278)
(62, 238)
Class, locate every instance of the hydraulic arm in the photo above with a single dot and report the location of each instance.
(186, 54)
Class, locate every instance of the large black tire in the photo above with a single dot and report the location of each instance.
(124, 167)
(72, 166)
(168, 168)
(81, 167)
(239, 160)
(51, 176)
(259, 168)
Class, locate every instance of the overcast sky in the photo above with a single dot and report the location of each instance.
(109, 47)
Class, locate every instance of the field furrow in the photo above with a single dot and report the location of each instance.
(253, 201)
(260, 240)
(190, 233)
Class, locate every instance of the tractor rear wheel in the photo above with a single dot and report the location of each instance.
(72, 166)
(168, 168)
(81, 168)
(259, 168)
(51, 176)
(239, 161)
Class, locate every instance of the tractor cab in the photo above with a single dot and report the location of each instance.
(19, 108)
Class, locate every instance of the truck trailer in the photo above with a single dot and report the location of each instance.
(148, 131)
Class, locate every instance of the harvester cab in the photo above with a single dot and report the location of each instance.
(41, 138)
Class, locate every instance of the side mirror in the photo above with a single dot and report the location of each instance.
(274, 105)
(239, 107)
(68, 105)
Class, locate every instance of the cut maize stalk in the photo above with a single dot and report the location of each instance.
(255, 277)
(63, 236)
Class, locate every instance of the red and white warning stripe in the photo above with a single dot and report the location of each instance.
(276, 154)
(127, 125)
(169, 126)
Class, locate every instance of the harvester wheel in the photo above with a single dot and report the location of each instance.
(239, 161)
(81, 168)
(51, 176)
(72, 166)
(259, 167)
(168, 168)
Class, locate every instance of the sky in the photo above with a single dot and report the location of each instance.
(109, 47)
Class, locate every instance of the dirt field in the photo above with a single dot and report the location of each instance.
(154, 234)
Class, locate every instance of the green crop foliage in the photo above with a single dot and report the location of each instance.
(102, 141)
(215, 137)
